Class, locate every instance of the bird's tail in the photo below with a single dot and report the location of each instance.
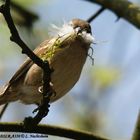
(7, 96)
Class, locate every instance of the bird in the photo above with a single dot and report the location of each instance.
(66, 53)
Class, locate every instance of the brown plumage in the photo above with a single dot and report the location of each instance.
(67, 60)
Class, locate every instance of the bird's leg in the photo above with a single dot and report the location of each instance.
(49, 94)
(42, 110)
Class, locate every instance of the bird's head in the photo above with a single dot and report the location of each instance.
(78, 27)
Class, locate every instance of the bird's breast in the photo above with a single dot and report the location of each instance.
(67, 65)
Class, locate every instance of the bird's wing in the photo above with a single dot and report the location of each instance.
(26, 65)
(21, 71)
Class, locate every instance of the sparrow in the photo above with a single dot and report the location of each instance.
(66, 53)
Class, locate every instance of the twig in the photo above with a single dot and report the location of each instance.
(3, 110)
(29, 17)
(136, 133)
(96, 14)
(50, 130)
(5, 10)
(122, 8)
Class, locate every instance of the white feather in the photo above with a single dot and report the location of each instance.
(67, 29)
(87, 37)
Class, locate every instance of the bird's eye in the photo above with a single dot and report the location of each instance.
(88, 30)
(78, 29)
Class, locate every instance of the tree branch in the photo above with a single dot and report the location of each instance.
(50, 130)
(122, 8)
(43, 108)
(136, 133)
(96, 14)
(5, 10)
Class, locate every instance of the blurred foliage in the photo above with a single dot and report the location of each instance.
(27, 3)
(105, 76)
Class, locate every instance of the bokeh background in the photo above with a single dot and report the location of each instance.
(106, 99)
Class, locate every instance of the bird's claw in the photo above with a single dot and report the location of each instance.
(36, 109)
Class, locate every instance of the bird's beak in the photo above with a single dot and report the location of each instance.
(88, 37)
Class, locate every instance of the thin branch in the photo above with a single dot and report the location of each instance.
(122, 8)
(50, 130)
(3, 110)
(42, 111)
(136, 133)
(96, 14)
(5, 10)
